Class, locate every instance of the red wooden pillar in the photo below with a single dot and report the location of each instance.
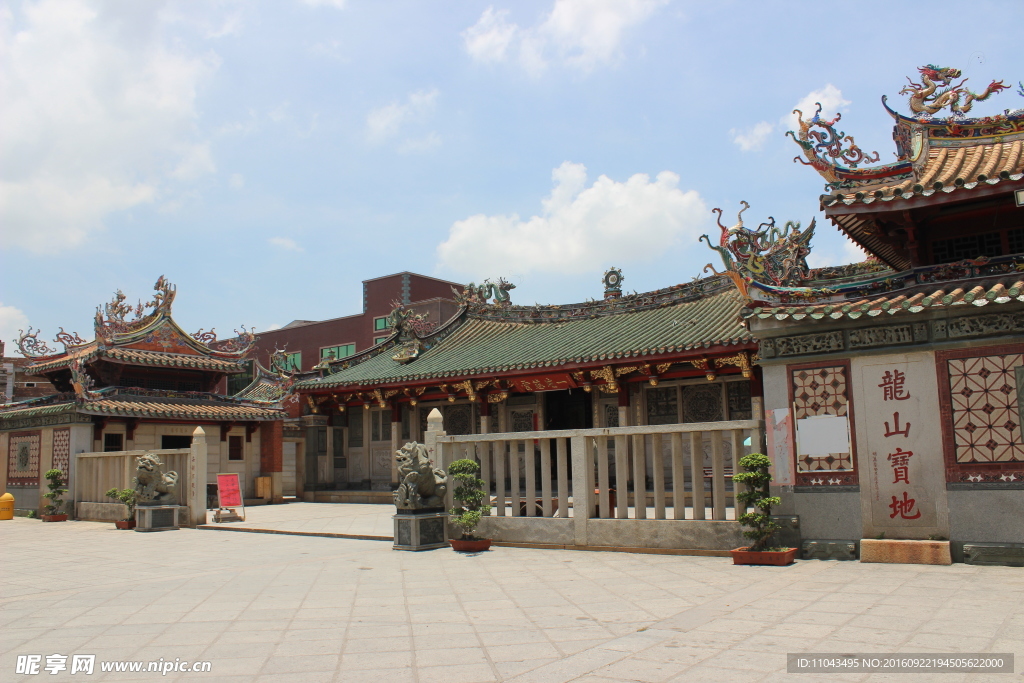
(271, 441)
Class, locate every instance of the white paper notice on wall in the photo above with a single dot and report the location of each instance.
(780, 446)
(822, 435)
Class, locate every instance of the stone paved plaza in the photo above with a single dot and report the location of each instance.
(305, 608)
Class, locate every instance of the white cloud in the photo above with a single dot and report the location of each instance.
(581, 34)
(489, 38)
(236, 181)
(752, 138)
(579, 226)
(285, 243)
(385, 123)
(11, 320)
(831, 99)
(336, 4)
(273, 326)
(99, 116)
(427, 143)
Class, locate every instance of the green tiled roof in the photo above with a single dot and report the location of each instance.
(485, 346)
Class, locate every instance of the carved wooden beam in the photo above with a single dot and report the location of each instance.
(130, 424)
(225, 427)
(250, 429)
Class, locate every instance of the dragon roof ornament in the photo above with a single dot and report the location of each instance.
(482, 293)
(767, 255)
(936, 92)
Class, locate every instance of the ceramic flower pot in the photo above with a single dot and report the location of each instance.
(776, 558)
(470, 546)
(55, 518)
(125, 524)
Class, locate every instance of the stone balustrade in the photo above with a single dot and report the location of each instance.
(569, 487)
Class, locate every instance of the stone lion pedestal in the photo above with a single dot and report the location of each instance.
(156, 518)
(420, 529)
(157, 506)
(421, 522)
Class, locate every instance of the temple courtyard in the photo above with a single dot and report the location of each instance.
(283, 607)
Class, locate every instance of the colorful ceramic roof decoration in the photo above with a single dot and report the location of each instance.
(144, 334)
(767, 255)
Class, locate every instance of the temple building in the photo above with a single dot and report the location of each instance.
(141, 383)
(679, 354)
(892, 387)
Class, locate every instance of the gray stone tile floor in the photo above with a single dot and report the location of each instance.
(276, 607)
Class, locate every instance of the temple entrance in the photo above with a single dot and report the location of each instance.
(568, 409)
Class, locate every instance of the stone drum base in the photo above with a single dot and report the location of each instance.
(415, 530)
(156, 518)
(898, 551)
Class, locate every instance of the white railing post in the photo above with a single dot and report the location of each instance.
(513, 476)
(604, 505)
(499, 477)
(658, 469)
(639, 477)
(737, 453)
(580, 495)
(562, 473)
(717, 477)
(529, 461)
(697, 473)
(197, 478)
(678, 478)
(621, 477)
(545, 477)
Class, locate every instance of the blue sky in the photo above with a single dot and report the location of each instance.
(268, 156)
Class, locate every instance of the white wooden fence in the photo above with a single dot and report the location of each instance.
(676, 471)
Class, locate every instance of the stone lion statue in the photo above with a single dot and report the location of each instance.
(153, 486)
(421, 485)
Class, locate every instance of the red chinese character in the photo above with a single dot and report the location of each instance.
(900, 461)
(892, 386)
(903, 508)
(896, 427)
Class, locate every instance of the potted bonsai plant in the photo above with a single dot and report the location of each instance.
(756, 479)
(470, 493)
(58, 487)
(127, 498)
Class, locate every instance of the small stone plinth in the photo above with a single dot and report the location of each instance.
(830, 550)
(900, 551)
(156, 517)
(420, 529)
(994, 554)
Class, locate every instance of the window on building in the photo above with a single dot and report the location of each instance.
(738, 394)
(662, 406)
(380, 324)
(240, 381)
(293, 361)
(340, 351)
(378, 340)
(175, 441)
(967, 247)
(113, 442)
(235, 448)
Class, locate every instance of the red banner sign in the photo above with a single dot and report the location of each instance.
(229, 493)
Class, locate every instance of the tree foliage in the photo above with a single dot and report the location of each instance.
(756, 479)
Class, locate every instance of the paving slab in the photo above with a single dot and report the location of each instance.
(281, 607)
